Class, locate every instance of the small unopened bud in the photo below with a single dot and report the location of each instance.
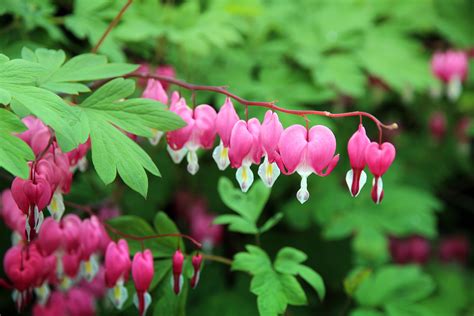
(197, 260)
(177, 282)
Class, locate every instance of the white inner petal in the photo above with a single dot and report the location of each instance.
(454, 89)
(268, 172)
(157, 135)
(56, 207)
(220, 154)
(193, 164)
(244, 176)
(303, 195)
(177, 155)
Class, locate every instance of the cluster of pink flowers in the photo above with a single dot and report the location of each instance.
(417, 249)
(451, 68)
(194, 211)
(59, 265)
(66, 263)
(243, 143)
(50, 176)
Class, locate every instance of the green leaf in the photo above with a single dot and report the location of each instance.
(288, 260)
(366, 312)
(385, 49)
(63, 77)
(248, 205)
(17, 80)
(112, 150)
(237, 224)
(164, 225)
(90, 19)
(272, 221)
(252, 261)
(276, 285)
(371, 246)
(343, 73)
(394, 285)
(313, 279)
(136, 226)
(271, 296)
(14, 152)
(294, 293)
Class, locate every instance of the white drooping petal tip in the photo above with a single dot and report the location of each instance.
(454, 89)
(157, 135)
(379, 190)
(118, 295)
(56, 206)
(220, 154)
(303, 195)
(350, 179)
(177, 155)
(193, 164)
(268, 172)
(244, 176)
(147, 297)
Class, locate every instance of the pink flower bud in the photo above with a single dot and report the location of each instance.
(142, 274)
(437, 125)
(154, 90)
(203, 229)
(306, 153)
(379, 157)
(117, 262)
(414, 249)
(196, 261)
(356, 147)
(143, 69)
(178, 260)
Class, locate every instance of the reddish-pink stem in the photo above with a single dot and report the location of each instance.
(111, 26)
(270, 105)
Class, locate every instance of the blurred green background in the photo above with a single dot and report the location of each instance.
(340, 55)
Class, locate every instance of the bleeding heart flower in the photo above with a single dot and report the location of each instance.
(245, 149)
(379, 157)
(32, 196)
(117, 268)
(451, 67)
(177, 278)
(154, 90)
(306, 152)
(356, 177)
(225, 121)
(437, 125)
(12, 216)
(37, 135)
(196, 261)
(142, 273)
(269, 137)
(199, 132)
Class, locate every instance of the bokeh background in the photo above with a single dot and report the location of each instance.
(340, 55)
